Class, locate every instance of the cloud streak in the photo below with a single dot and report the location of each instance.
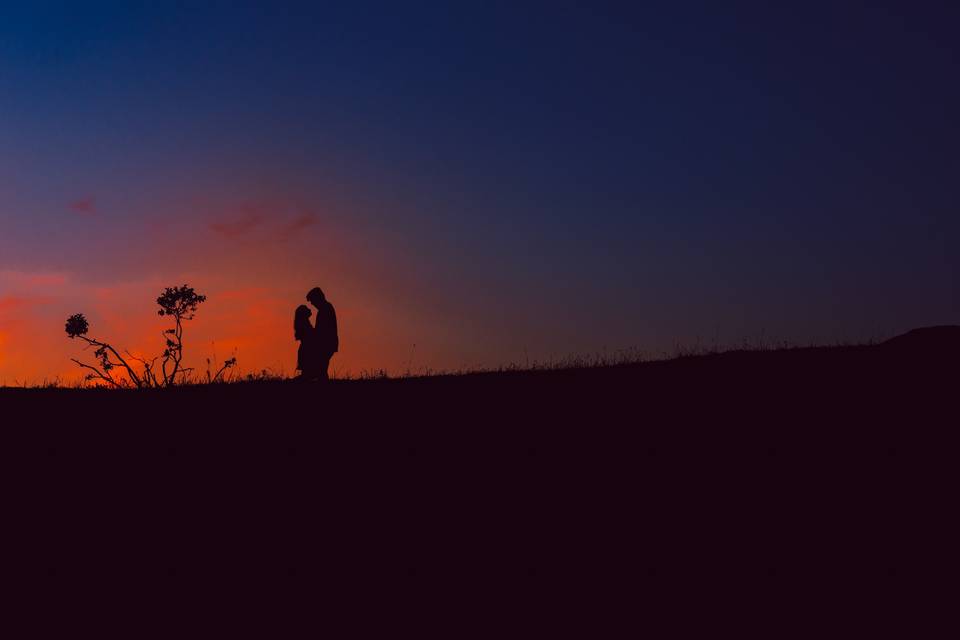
(298, 224)
(237, 227)
(86, 206)
(275, 227)
(32, 279)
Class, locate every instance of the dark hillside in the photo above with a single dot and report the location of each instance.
(736, 466)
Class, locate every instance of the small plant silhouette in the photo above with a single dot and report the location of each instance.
(107, 357)
(218, 376)
(179, 303)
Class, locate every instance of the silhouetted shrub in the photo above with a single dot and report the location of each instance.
(77, 325)
(181, 304)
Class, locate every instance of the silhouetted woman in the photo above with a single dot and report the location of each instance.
(304, 333)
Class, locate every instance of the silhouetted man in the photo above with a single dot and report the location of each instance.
(326, 341)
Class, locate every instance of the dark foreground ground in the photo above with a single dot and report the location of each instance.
(761, 478)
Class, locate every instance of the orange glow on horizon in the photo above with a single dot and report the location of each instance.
(254, 268)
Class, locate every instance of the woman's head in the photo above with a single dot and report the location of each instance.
(301, 322)
(303, 311)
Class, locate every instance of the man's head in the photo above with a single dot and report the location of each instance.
(316, 297)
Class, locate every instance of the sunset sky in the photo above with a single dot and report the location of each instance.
(490, 181)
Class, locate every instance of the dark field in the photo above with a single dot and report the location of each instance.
(830, 466)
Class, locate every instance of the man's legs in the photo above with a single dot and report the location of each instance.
(322, 366)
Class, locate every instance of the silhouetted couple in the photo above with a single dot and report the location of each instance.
(318, 342)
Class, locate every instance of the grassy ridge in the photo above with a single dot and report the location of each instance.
(719, 469)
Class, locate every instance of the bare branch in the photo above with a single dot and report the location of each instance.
(130, 371)
(99, 374)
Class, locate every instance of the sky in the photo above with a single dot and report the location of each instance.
(475, 183)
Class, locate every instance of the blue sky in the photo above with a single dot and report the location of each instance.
(559, 176)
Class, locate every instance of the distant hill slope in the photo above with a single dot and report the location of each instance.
(943, 339)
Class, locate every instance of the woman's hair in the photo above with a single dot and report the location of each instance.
(301, 322)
